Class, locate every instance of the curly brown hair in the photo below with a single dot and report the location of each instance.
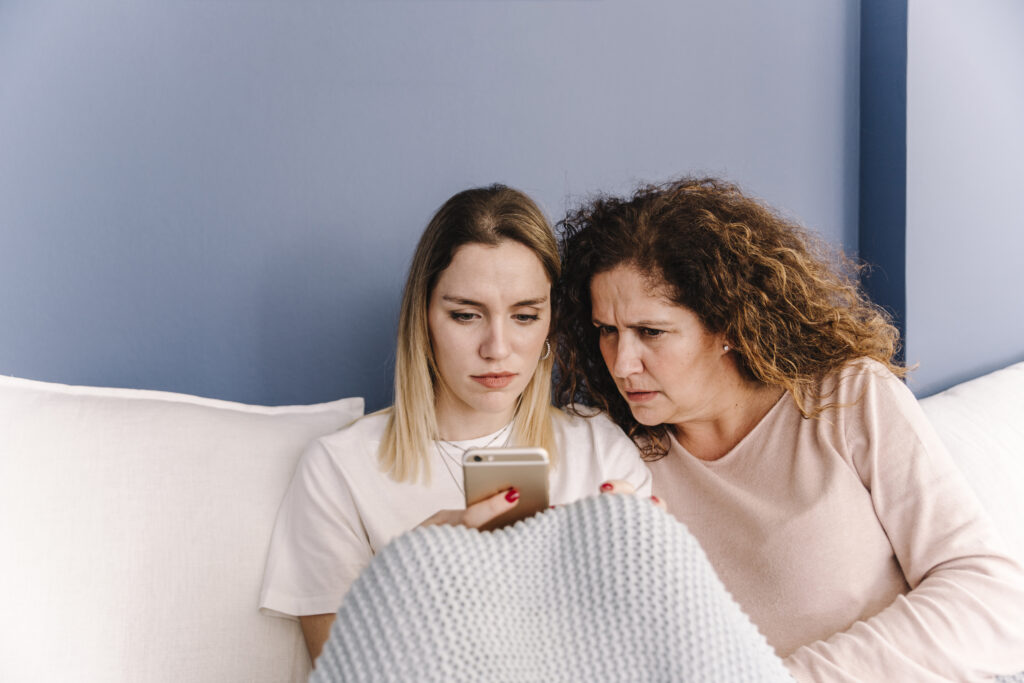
(790, 306)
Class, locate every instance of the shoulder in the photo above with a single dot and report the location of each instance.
(879, 410)
(594, 432)
(865, 380)
(860, 401)
(592, 422)
(354, 442)
(864, 369)
(369, 428)
(598, 451)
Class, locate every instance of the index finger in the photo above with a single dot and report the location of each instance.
(617, 486)
(484, 511)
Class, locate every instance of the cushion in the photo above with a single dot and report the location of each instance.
(135, 526)
(982, 424)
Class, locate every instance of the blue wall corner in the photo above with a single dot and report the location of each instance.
(883, 155)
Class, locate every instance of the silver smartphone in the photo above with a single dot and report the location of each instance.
(487, 471)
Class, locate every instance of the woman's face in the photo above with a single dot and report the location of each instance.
(488, 316)
(666, 364)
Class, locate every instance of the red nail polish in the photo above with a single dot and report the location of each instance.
(655, 499)
(512, 496)
(606, 487)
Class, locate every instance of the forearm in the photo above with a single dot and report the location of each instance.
(962, 623)
(316, 628)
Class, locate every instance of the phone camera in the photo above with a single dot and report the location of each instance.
(477, 458)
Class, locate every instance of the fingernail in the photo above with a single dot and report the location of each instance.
(655, 499)
(512, 496)
(551, 507)
(606, 487)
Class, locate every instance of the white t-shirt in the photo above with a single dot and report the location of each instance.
(340, 508)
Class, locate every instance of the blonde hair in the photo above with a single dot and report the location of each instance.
(486, 215)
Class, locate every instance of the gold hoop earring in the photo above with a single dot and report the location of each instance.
(547, 350)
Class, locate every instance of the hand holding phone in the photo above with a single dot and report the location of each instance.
(488, 471)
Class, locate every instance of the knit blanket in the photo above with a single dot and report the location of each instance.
(610, 588)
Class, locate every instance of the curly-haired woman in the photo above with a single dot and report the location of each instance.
(740, 355)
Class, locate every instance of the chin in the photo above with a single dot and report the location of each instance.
(646, 417)
(496, 403)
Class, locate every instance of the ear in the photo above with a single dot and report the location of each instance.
(723, 344)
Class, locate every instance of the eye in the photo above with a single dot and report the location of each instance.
(462, 316)
(650, 332)
(605, 330)
(525, 318)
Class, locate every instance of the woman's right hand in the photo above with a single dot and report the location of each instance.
(625, 488)
(477, 514)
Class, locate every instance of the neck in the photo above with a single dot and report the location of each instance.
(734, 416)
(459, 425)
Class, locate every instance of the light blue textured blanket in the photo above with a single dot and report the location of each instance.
(607, 589)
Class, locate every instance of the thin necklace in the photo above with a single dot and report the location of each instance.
(450, 459)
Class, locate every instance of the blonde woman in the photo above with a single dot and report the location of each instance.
(473, 369)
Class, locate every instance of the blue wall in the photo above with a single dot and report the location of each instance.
(883, 161)
(221, 198)
(965, 189)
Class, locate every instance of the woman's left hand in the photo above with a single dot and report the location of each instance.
(477, 514)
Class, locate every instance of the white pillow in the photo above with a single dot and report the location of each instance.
(982, 424)
(134, 527)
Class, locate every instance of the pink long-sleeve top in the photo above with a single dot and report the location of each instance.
(853, 542)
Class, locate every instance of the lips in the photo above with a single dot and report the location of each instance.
(495, 380)
(640, 396)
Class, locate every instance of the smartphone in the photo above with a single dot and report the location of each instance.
(487, 471)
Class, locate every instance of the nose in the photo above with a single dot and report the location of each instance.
(626, 360)
(495, 345)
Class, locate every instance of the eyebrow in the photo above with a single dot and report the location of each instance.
(638, 323)
(470, 302)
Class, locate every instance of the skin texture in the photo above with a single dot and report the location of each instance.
(489, 315)
(315, 629)
(670, 368)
